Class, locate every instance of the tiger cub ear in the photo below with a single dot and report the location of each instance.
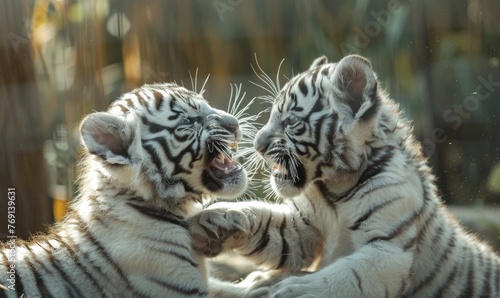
(318, 62)
(356, 85)
(107, 136)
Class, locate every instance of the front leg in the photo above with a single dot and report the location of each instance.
(379, 269)
(219, 229)
(274, 236)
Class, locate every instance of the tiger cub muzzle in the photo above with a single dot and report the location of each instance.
(287, 170)
(221, 169)
(285, 166)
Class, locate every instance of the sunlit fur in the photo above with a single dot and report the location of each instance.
(127, 234)
(362, 212)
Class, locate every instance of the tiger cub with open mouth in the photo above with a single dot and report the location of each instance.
(361, 209)
(150, 161)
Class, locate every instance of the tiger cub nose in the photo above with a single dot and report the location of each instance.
(261, 142)
(230, 123)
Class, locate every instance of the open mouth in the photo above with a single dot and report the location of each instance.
(221, 164)
(223, 175)
(288, 170)
(280, 171)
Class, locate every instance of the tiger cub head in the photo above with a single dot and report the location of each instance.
(319, 125)
(163, 142)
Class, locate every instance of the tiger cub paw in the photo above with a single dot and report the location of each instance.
(219, 229)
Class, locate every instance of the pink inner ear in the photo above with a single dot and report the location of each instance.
(353, 82)
(113, 142)
(357, 83)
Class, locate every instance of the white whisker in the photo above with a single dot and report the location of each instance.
(210, 147)
(222, 138)
(193, 80)
(294, 161)
(235, 100)
(223, 149)
(202, 90)
(272, 87)
(278, 85)
(265, 98)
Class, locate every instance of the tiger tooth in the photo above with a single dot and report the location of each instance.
(226, 171)
(281, 169)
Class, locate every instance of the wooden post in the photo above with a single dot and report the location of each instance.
(21, 128)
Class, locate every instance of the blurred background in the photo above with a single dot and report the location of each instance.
(62, 59)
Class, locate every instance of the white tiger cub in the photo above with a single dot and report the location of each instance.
(360, 200)
(150, 160)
